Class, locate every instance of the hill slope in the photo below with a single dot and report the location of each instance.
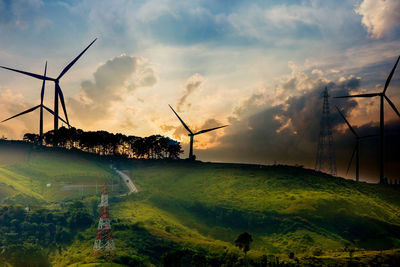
(202, 207)
(32, 175)
(286, 208)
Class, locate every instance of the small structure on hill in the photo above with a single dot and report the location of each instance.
(104, 244)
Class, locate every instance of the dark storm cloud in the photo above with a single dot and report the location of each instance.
(374, 75)
(288, 132)
(345, 142)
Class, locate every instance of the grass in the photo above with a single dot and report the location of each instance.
(47, 175)
(285, 208)
(205, 206)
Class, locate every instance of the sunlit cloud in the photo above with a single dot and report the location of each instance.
(193, 84)
(112, 82)
(380, 17)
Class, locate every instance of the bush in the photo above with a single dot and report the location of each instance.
(318, 252)
(129, 260)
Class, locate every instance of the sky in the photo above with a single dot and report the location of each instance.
(259, 66)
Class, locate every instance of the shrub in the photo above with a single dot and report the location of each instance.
(318, 252)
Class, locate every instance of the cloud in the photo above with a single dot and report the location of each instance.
(23, 14)
(380, 17)
(192, 84)
(146, 78)
(286, 24)
(201, 141)
(249, 105)
(369, 168)
(12, 104)
(113, 82)
(209, 139)
(282, 127)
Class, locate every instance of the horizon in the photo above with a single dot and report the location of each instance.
(259, 68)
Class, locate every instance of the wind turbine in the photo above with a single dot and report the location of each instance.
(41, 106)
(191, 134)
(57, 89)
(383, 97)
(356, 148)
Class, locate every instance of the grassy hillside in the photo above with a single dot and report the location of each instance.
(194, 210)
(32, 175)
(285, 208)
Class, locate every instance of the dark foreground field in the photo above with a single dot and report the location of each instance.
(189, 214)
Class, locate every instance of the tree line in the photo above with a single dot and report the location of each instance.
(28, 234)
(105, 143)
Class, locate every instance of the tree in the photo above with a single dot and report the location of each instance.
(173, 149)
(105, 143)
(32, 138)
(243, 242)
(78, 216)
(350, 249)
(172, 258)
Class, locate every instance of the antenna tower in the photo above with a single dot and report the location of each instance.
(104, 243)
(326, 154)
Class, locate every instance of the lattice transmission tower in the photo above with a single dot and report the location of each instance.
(104, 243)
(326, 161)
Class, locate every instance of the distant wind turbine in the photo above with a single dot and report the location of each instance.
(57, 90)
(41, 106)
(383, 97)
(191, 134)
(356, 148)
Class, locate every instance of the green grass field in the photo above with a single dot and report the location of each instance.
(285, 208)
(39, 176)
(203, 207)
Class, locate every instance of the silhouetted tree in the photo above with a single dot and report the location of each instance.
(243, 242)
(174, 149)
(31, 138)
(105, 143)
(172, 258)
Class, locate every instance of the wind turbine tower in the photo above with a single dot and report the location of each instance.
(356, 150)
(325, 152)
(41, 106)
(58, 94)
(382, 95)
(191, 134)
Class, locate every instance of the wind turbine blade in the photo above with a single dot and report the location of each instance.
(73, 61)
(61, 95)
(392, 105)
(351, 159)
(390, 75)
(52, 112)
(368, 136)
(348, 124)
(360, 95)
(209, 130)
(22, 113)
(183, 123)
(43, 85)
(37, 76)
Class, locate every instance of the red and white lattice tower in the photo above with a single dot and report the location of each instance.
(104, 243)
